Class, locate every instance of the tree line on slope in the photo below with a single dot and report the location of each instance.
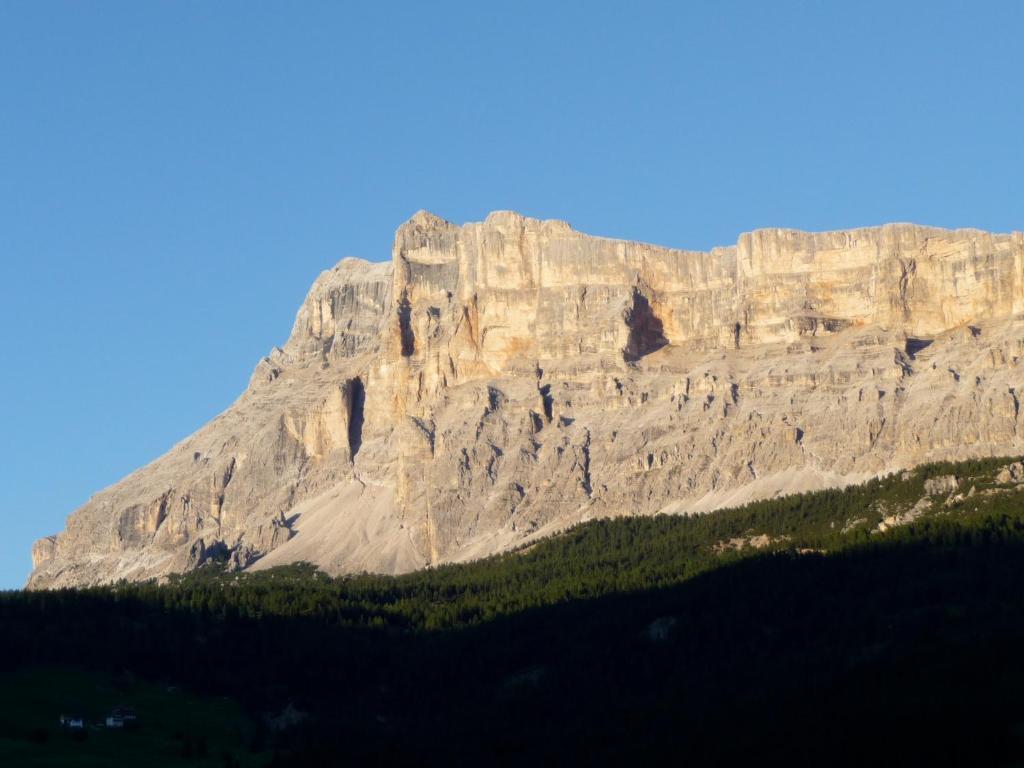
(620, 638)
(593, 559)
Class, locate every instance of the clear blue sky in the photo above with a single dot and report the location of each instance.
(173, 175)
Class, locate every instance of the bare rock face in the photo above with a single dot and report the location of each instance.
(499, 381)
(1012, 473)
(942, 485)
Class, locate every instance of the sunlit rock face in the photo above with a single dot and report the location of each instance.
(499, 381)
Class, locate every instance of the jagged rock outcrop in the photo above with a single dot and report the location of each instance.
(501, 380)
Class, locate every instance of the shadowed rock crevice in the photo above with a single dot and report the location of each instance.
(914, 346)
(547, 401)
(646, 332)
(405, 327)
(355, 397)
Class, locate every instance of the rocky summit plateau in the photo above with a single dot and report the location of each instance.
(500, 381)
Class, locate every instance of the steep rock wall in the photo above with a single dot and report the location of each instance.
(501, 380)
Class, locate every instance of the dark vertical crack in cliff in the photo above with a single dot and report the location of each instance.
(355, 397)
(406, 335)
(587, 484)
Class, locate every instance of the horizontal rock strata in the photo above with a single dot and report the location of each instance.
(498, 381)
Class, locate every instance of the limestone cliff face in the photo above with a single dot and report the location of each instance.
(501, 380)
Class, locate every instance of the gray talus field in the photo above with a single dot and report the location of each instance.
(499, 381)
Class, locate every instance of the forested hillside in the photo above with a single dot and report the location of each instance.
(878, 623)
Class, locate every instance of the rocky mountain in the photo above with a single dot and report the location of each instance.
(499, 381)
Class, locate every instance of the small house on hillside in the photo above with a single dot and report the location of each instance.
(73, 721)
(121, 717)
